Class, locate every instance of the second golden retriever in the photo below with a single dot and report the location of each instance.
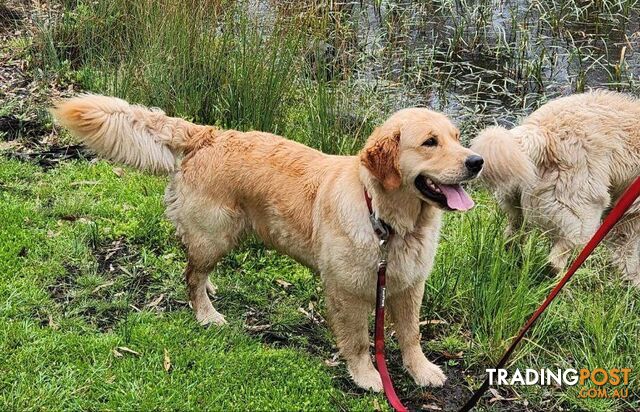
(304, 203)
(564, 166)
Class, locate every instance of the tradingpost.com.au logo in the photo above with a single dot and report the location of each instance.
(606, 383)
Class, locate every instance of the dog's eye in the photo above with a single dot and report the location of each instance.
(430, 142)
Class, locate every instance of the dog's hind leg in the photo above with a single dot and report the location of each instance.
(208, 231)
(204, 250)
(196, 276)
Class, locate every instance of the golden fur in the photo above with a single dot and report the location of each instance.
(300, 201)
(564, 166)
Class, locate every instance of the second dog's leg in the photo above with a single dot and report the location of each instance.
(348, 316)
(573, 231)
(510, 204)
(624, 243)
(404, 309)
(559, 255)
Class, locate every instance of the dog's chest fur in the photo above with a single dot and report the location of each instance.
(350, 253)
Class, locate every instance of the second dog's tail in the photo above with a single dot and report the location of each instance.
(134, 135)
(509, 161)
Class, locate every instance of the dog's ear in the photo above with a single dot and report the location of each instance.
(380, 156)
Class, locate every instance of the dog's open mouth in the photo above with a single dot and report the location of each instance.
(451, 197)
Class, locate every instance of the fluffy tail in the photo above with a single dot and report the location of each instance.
(134, 135)
(509, 163)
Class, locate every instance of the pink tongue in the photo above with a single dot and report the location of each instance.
(457, 198)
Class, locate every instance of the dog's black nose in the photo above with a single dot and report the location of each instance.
(474, 163)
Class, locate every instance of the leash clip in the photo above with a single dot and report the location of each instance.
(380, 228)
(384, 252)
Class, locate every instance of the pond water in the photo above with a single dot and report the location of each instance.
(482, 61)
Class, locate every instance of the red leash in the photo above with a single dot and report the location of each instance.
(384, 232)
(381, 363)
(625, 202)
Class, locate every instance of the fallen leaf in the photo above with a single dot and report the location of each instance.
(283, 283)
(433, 322)
(496, 394)
(125, 270)
(257, 328)
(431, 407)
(8, 145)
(428, 396)
(118, 171)
(116, 353)
(166, 362)
(104, 285)
(85, 183)
(376, 406)
(52, 324)
(117, 245)
(127, 350)
(450, 355)
(334, 361)
(497, 397)
(305, 313)
(155, 302)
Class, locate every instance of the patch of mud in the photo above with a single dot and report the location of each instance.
(311, 334)
(126, 287)
(13, 128)
(27, 142)
(9, 17)
(51, 155)
(456, 390)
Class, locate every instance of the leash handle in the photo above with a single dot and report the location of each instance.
(623, 204)
(381, 363)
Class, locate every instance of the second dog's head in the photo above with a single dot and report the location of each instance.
(419, 150)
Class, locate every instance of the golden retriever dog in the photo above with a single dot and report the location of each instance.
(304, 203)
(564, 166)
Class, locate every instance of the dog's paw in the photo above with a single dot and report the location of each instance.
(370, 381)
(366, 376)
(426, 373)
(211, 317)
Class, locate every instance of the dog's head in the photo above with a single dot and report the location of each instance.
(419, 150)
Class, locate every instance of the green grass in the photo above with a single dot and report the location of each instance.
(65, 308)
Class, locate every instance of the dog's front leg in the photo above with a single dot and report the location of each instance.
(348, 317)
(404, 309)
